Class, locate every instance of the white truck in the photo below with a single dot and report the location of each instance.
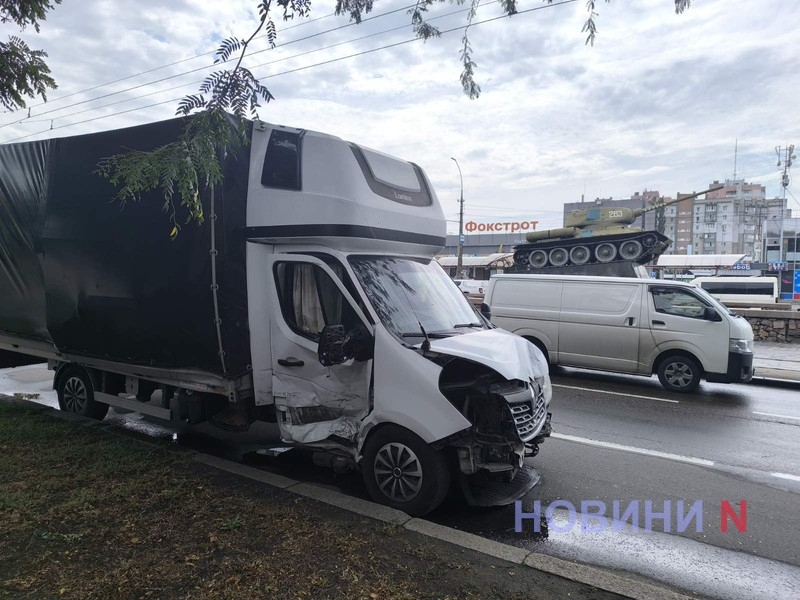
(310, 298)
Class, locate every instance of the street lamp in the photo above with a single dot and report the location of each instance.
(460, 222)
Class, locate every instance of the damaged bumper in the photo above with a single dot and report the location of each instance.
(509, 429)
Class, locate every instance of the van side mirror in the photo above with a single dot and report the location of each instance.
(709, 314)
(486, 311)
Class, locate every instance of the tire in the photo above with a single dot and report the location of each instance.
(76, 394)
(679, 373)
(393, 446)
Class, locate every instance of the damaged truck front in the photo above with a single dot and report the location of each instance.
(310, 300)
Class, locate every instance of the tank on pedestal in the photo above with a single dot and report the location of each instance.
(596, 241)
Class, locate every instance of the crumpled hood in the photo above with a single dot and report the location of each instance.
(508, 354)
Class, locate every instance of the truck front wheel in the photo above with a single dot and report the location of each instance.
(402, 471)
(76, 394)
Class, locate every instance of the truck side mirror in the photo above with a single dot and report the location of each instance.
(333, 346)
(486, 311)
(336, 345)
(709, 314)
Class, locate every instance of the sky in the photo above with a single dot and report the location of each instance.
(659, 102)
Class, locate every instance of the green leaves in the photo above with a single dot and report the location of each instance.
(24, 74)
(23, 71)
(181, 169)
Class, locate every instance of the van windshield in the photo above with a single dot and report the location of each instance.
(408, 293)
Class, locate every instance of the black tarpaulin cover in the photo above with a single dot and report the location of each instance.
(101, 280)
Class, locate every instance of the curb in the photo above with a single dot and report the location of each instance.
(596, 577)
(580, 573)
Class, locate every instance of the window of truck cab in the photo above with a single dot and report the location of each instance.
(282, 160)
(310, 300)
(392, 178)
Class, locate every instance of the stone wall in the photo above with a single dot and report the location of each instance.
(773, 325)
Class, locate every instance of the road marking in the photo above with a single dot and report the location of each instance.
(612, 446)
(777, 416)
(786, 476)
(575, 387)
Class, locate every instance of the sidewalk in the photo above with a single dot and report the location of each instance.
(775, 361)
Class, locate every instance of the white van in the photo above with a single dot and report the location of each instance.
(626, 325)
(752, 291)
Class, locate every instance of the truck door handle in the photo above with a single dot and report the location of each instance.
(631, 321)
(659, 323)
(290, 362)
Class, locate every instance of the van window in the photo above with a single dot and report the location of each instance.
(611, 299)
(678, 302)
(310, 300)
(757, 288)
(282, 161)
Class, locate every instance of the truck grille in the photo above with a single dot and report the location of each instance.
(529, 413)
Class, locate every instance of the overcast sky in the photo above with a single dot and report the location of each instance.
(657, 103)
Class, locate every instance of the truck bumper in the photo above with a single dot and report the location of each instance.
(740, 369)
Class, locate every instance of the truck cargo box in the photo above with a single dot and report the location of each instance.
(93, 278)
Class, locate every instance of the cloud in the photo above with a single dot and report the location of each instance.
(657, 103)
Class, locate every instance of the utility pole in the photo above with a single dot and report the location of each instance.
(460, 261)
(788, 157)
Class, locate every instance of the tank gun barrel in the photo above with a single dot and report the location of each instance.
(637, 212)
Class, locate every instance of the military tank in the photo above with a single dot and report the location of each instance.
(596, 241)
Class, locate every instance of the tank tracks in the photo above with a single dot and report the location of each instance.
(637, 248)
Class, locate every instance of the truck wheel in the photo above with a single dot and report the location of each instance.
(76, 394)
(402, 471)
(679, 373)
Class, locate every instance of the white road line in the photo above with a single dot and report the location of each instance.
(786, 476)
(575, 387)
(778, 416)
(611, 446)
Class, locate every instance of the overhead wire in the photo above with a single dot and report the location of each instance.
(303, 68)
(172, 64)
(198, 69)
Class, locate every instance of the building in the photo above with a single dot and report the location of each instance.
(737, 219)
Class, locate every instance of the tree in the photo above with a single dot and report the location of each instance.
(23, 71)
(184, 167)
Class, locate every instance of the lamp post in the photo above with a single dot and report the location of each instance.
(460, 222)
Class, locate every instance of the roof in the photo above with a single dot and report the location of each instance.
(501, 259)
(699, 260)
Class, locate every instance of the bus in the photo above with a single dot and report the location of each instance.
(750, 291)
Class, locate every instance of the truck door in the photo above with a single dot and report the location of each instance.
(314, 402)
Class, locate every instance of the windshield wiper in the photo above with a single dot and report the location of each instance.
(459, 325)
(429, 334)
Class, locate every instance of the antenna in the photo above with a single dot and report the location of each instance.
(735, 156)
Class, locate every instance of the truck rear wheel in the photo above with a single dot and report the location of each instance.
(679, 373)
(76, 394)
(402, 471)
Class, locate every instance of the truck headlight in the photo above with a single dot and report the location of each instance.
(547, 389)
(741, 346)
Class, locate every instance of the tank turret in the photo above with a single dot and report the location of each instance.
(595, 236)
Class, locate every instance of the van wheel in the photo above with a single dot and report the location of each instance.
(679, 373)
(402, 471)
(76, 394)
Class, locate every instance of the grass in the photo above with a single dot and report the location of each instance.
(88, 514)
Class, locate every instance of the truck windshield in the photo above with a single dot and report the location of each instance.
(408, 293)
